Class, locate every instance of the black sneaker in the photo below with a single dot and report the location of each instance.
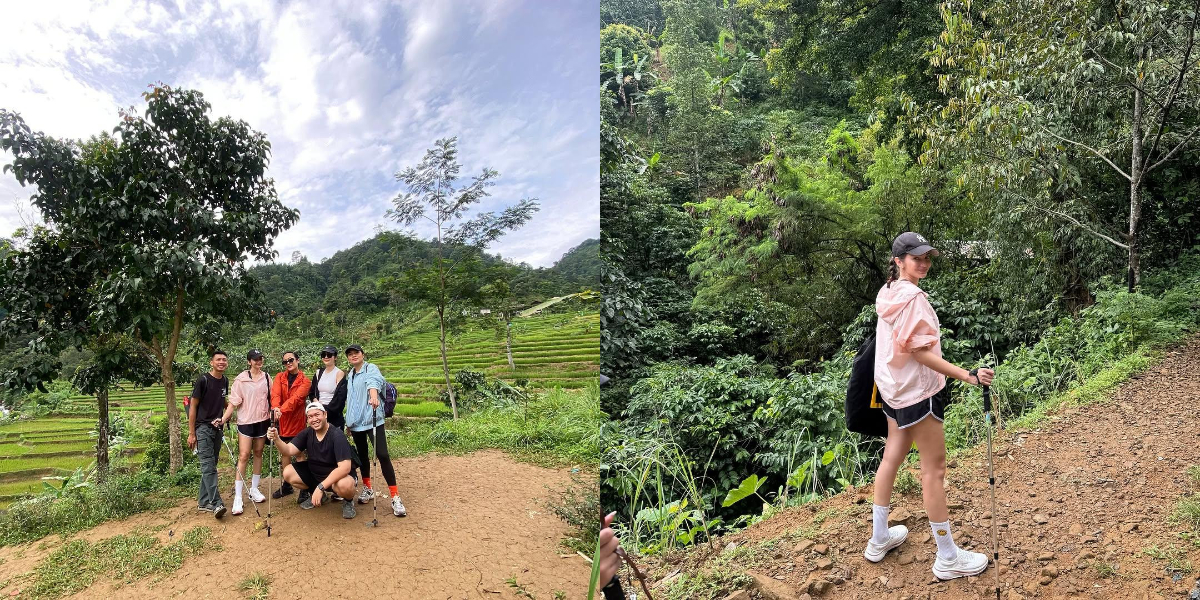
(219, 511)
(348, 511)
(283, 490)
(304, 496)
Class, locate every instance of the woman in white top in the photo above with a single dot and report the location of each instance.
(329, 387)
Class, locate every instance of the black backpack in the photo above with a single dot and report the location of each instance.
(864, 407)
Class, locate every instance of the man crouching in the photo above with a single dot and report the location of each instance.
(327, 469)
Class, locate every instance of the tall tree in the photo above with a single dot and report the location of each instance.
(1013, 75)
(434, 192)
(114, 358)
(160, 218)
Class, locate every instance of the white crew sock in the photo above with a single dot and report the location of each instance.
(945, 540)
(254, 480)
(237, 488)
(879, 518)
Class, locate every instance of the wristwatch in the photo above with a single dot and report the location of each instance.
(321, 488)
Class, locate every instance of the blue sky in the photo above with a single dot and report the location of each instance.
(348, 93)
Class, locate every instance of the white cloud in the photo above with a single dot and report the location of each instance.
(348, 92)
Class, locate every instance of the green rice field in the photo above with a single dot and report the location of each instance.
(549, 350)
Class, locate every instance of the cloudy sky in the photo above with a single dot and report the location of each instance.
(347, 91)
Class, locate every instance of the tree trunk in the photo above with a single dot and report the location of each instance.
(442, 321)
(102, 461)
(168, 382)
(508, 342)
(1135, 184)
(445, 363)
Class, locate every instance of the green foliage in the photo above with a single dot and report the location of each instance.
(122, 495)
(577, 506)
(557, 427)
(257, 586)
(126, 558)
(158, 450)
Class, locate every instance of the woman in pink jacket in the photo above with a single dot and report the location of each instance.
(911, 376)
(250, 395)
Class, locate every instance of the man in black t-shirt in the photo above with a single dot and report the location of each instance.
(204, 429)
(328, 467)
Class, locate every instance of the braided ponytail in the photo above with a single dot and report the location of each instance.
(893, 273)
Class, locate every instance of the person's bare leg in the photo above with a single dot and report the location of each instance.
(245, 444)
(259, 444)
(931, 445)
(894, 451)
(344, 487)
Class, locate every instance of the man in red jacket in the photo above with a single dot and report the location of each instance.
(288, 394)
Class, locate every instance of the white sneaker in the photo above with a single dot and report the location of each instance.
(257, 496)
(237, 505)
(965, 564)
(366, 495)
(398, 507)
(896, 536)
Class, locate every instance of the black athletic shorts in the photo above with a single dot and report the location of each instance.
(911, 415)
(254, 430)
(310, 478)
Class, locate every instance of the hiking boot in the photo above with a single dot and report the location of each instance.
(237, 505)
(306, 503)
(366, 495)
(896, 536)
(218, 511)
(965, 564)
(398, 507)
(304, 496)
(284, 490)
(257, 496)
(348, 511)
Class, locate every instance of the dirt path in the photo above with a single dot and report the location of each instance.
(474, 521)
(1080, 500)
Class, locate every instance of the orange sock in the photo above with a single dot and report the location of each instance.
(367, 481)
(392, 489)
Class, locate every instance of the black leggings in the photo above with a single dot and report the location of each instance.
(381, 452)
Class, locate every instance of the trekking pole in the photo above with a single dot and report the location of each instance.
(272, 466)
(987, 419)
(375, 462)
(233, 458)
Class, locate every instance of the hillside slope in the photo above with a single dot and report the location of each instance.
(1085, 507)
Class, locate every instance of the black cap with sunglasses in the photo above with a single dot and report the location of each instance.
(254, 355)
(328, 351)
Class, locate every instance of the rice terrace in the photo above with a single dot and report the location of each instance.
(557, 351)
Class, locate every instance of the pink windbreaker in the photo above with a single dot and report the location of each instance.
(251, 397)
(906, 323)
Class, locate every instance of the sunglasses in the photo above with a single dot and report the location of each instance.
(289, 361)
(327, 355)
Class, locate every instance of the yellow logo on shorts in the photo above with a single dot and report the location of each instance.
(941, 532)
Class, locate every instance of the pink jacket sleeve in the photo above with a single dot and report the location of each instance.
(916, 328)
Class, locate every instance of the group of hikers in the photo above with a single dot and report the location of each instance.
(308, 421)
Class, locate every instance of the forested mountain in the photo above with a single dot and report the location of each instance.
(375, 274)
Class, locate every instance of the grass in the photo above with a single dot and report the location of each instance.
(126, 558)
(1174, 557)
(257, 586)
(1094, 389)
(1193, 473)
(1187, 512)
(555, 428)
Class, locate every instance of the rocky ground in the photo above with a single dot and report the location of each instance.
(1084, 502)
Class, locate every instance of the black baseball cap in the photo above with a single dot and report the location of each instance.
(329, 350)
(354, 347)
(254, 355)
(911, 243)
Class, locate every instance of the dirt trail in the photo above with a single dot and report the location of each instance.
(474, 521)
(1080, 501)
